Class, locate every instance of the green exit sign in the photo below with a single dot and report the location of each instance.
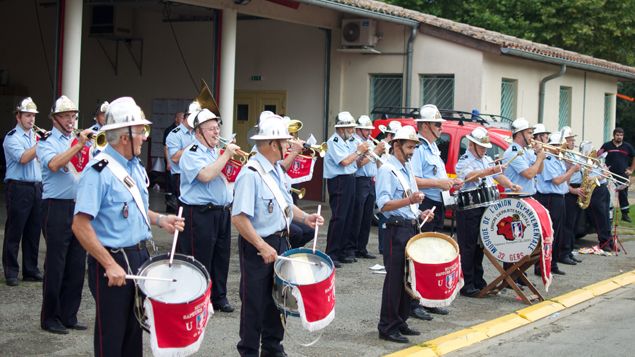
(256, 78)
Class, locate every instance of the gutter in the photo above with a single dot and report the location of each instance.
(542, 90)
(408, 73)
(572, 64)
(354, 10)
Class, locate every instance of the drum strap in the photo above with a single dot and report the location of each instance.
(275, 189)
(404, 184)
(122, 175)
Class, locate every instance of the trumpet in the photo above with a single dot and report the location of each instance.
(317, 149)
(300, 192)
(77, 133)
(243, 157)
(40, 133)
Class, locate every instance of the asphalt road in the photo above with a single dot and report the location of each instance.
(352, 333)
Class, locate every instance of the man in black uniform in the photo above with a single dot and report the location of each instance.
(170, 191)
(620, 161)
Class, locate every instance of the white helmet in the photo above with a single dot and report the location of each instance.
(271, 127)
(345, 120)
(540, 129)
(364, 122)
(194, 107)
(124, 112)
(406, 133)
(63, 104)
(27, 105)
(103, 107)
(519, 125)
(556, 138)
(197, 118)
(429, 113)
(479, 136)
(567, 132)
(392, 128)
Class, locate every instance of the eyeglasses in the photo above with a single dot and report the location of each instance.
(438, 125)
(145, 132)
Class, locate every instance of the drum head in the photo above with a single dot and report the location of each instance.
(191, 279)
(299, 273)
(432, 248)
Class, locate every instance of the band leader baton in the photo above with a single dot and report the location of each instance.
(426, 219)
(315, 235)
(176, 236)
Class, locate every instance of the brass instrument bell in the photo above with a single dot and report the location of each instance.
(294, 127)
(206, 100)
(317, 149)
(300, 192)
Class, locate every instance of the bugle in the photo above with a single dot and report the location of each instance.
(300, 192)
(243, 157)
(317, 150)
(40, 133)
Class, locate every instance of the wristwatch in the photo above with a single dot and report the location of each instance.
(358, 153)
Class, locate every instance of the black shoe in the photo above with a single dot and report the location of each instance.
(77, 326)
(407, 331)
(347, 260)
(36, 277)
(226, 307)
(626, 218)
(420, 313)
(12, 281)
(556, 270)
(572, 257)
(537, 272)
(56, 328)
(365, 255)
(520, 282)
(437, 310)
(394, 337)
(567, 261)
(336, 263)
(267, 353)
(470, 292)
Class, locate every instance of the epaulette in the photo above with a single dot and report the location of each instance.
(11, 132)
(43, 138)
(549, 157)
(514, 148)
(100, 165)
(252, 168)
(194, 148)
(335, 139)
(176, 130)
(463, 157)
(351, 139)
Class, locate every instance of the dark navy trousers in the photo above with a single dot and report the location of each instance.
(468, 224)
(341, 199)
(362, 215)
(554, 203)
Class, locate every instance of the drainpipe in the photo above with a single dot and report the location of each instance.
(541, 93)
(408, 73)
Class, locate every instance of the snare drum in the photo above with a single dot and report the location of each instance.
(477, 197)
(177, 312)
(433, 269)
(305, 287)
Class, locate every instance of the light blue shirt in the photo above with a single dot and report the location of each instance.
(338, 150)
(103, 197)
(254, 198)
(552, 169)
(370, 169)
(469, 163)
(194, 192)
(388, 188)
(427, 163)
(15, 143)
(520, 164)
(179, 138)
(576, 178)
(61, 185)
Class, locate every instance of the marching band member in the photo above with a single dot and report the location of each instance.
(23, 180)
(176, 142)
(171, 202)
(523, 169)
(571, 208)
(389, 133)
(540, 133)
(552, 184)
(600, 206)
(339, 172)
(429, 171)
(620, 159)
(65, 263)
(100, 117)
(479, 168)
(206, 201)
(397, 198)
(364, 192)
(112, 222)
(261, 213)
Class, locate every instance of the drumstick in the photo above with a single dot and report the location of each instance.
(315, 235)
(140, 277)
(176, 236)
(426, 219)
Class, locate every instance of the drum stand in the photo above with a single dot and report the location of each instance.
(615, 239)
(507, 278)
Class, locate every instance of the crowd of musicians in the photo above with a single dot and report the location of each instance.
(98, 220)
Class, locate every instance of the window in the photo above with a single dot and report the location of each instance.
(438, 89)
(443, 143)
(386, 90)
(509, 93)
(608, 113)
(564, 112)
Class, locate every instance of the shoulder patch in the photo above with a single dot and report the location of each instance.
(514, 148)
(176, 130)
(334, 139)
(252, 168)
(194, 148)
(11, 132)
(463, 157)
(100, 165)
(549, 157)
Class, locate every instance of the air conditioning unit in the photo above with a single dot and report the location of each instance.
(109, 20)
(359, 32)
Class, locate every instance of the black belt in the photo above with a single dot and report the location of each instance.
(133, 248)
(280, 234)
(23, 183)
(61, 200)
(550, 194)
(401, 222)
(574, 185)
(210, 207)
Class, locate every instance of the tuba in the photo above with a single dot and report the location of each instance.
(206, 100)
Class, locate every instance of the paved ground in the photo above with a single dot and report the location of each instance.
(353, 333)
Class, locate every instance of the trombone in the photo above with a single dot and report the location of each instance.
(300, 192)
